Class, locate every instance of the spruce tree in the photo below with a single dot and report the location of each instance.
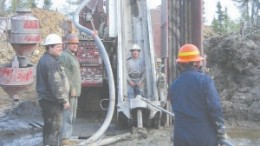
(47, 4)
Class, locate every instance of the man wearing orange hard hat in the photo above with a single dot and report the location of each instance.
(195, 102)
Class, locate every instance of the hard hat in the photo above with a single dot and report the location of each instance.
(189, 53)
(52, 39)
(72, 39)
(135, 47)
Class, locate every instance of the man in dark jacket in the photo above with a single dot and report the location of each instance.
(70, 63)
(196, 103)
(52, 89)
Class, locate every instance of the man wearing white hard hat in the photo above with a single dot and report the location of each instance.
(135, 72)
(52, 90)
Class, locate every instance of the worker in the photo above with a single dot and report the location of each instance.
(71, 66)
(52, 90)
(195, 102)
(135, 72)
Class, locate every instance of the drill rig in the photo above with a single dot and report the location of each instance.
(106, 36)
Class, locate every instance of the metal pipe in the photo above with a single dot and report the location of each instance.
(120, 57)
(113, 139)
(152, 55)
(109, 72)
(139, 118)
(158, 107)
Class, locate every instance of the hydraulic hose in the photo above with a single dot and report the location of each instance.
(109, 72)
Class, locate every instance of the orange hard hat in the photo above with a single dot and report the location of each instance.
(72, 39)
(189, 53)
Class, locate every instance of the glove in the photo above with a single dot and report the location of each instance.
(221, 131)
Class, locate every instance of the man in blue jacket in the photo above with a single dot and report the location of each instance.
(196, 103)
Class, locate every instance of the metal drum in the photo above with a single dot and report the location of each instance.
(25, 34)
(15, 80)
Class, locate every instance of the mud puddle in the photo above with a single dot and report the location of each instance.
(25, 140)
(84, 128)
(245, 137)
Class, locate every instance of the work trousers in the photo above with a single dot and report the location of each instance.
(52, 116)
(134, 91)
(69, 116)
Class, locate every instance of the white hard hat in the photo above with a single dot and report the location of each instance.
(52, 39)
(135, 47)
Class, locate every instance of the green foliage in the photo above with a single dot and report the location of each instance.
(219, 22)
(222, 24)
(203, 12)
(215, 25)
(19, 4)
(14, 5)
(2, 7)
(47, 4)
(31, 3)
(250, 10)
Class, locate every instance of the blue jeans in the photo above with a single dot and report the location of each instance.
(133, 91)
(69, 116)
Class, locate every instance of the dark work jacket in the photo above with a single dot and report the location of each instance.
(197, 108)
(51, 81)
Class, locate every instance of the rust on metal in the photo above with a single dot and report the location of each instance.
(16, 76)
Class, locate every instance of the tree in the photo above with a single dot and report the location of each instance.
(221, 16)
(250, 10)
(222, 24)
(215, 25)
(14, 5)
(47, 4)
(203, 12)
(31, 3)
(226, 21)
(2, 7)
(219, 21)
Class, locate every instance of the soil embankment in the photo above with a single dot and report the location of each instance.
(234, 63)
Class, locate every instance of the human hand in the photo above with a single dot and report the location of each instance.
(66, 105)
(73, 93)
(139, 84)
(221, 132)
(131, 83)
(222, 136)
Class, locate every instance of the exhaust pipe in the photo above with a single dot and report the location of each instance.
(109, 72)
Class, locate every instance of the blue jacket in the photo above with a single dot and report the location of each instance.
(51, 82)
(197, 108)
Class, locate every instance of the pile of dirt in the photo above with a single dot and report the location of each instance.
(50, 22)
(234, 63)
(208, 32)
